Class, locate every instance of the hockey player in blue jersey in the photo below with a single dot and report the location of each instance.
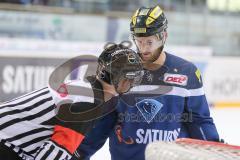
(170, 102)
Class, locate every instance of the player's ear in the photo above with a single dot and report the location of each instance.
(166, 34)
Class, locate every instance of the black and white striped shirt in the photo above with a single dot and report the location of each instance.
(26, 125)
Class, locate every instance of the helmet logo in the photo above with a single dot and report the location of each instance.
(156, 12)
(131, 58)
(140, 30)
(149, 20)
(134, 17)
(120, 51)
(134, 20)
(143, 12)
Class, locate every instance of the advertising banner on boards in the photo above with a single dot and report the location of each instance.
(23, 75)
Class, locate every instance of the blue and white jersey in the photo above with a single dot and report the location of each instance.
(169, 104)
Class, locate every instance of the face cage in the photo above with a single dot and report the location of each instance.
(136, 76)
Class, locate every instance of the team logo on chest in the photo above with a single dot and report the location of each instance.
(149, 108)
(178, 79)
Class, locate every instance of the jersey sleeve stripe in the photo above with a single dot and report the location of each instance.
(182, 92)
(168, 90)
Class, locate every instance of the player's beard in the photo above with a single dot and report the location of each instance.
(150, 62)
(153, 56)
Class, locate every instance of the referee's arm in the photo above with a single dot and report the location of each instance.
(61, 146)
(67, 136)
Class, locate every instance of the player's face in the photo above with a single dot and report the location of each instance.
(124, 85)
(148, 47)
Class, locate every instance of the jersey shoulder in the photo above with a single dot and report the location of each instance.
(179, 65)
(182, 72)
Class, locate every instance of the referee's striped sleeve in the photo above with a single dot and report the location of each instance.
(24, 121)
(52, 151)
(27, 122)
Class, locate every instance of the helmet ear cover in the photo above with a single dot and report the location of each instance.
(104, 75)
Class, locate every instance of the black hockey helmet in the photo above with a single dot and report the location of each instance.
(119, 61)
(148, 21)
